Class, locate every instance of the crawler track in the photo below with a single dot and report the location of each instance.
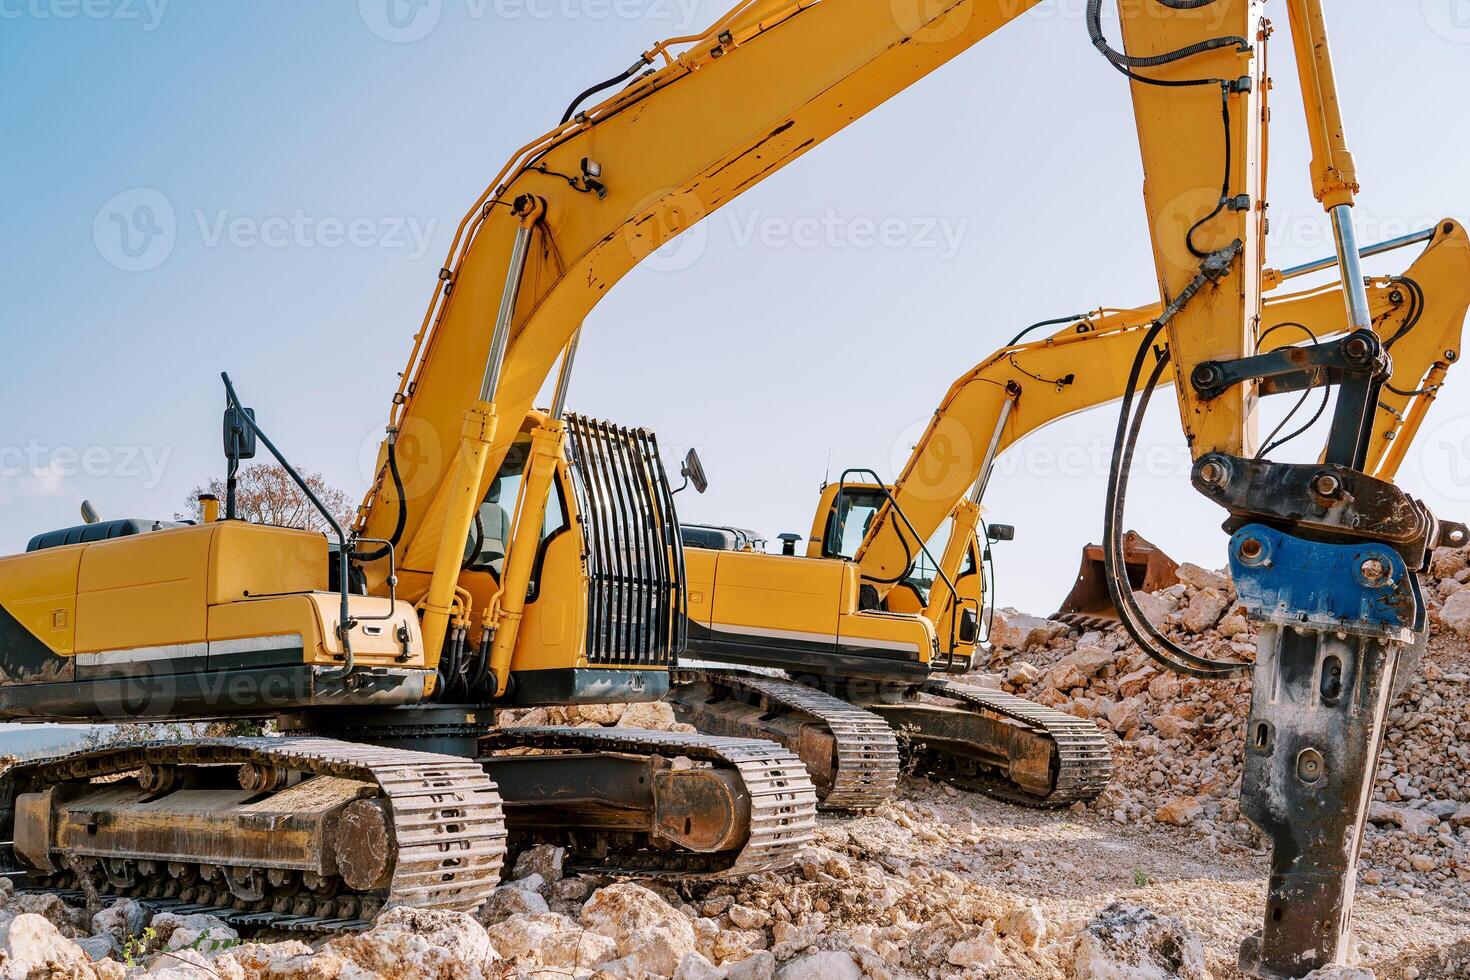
(783, 802)
(1084, 763)
(447, 826)
(865, 771)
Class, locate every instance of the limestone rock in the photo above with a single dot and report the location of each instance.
(1026, 924)
(760, 966)
(1064, 677)
(552, 941)
(70, 922)
(544, 860)
(1181, 812)
(198, 931)
(1173, 726)
(745, 917)
(822, 966)
(1203, 578)
(421, 944)
(656, 716)
(1014, 630)
(1204, 610)
(650, 934)
(1455, 613)
(1126, 941)
(122, 920)
(509, 900)
(1022, 674)
(1156, 608)
(1090, 660)
(980, 949)
(32, 946)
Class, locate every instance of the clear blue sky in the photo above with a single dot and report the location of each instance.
(289, 175)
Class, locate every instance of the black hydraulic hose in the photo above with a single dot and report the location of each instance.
(1153, 643)
(398, 528)
(1416, 309)
(1055, 321)
(1124, 62)
(479, 548)
(618, 79)
(1224, 184)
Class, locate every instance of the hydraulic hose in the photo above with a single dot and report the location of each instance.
(398, 528)
(618, 79)
(1157, 646)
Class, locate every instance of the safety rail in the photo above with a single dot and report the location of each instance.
(635, 557)
(956, 602)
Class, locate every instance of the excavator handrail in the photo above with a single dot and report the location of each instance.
(954, 592)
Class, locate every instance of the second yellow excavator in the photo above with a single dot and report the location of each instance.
(887, 599)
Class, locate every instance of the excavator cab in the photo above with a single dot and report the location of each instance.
(602, 613)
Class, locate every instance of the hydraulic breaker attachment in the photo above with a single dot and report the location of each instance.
(1322, 688)
(1089, 604)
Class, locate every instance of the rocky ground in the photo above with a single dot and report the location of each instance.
(1159, 878)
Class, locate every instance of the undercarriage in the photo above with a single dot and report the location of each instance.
(855, 741)
(319, 834)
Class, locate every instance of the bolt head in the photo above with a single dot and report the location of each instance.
(1214, 473)
(1327, 484)
(1374, 570)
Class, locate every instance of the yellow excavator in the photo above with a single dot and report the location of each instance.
(915, 550)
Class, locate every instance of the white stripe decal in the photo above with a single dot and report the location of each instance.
(139, 655)
(255, 644)
(184, 651)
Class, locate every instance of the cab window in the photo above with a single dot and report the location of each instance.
(495, 520)
(852, 516)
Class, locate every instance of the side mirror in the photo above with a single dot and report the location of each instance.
(969, 630)
(693, 472)
(239, 437)
(89, 513)
(1001, 532)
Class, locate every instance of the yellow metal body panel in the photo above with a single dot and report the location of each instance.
(1184, 146)
(254, 560)
(553, 631)
(315, 617)
(778, 592)
(146, 590)
(189, 586)
(40, 591)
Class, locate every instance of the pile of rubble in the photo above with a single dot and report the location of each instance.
(1178, 742)
(541, 925)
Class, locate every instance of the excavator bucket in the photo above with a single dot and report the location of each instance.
(1089, 604)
